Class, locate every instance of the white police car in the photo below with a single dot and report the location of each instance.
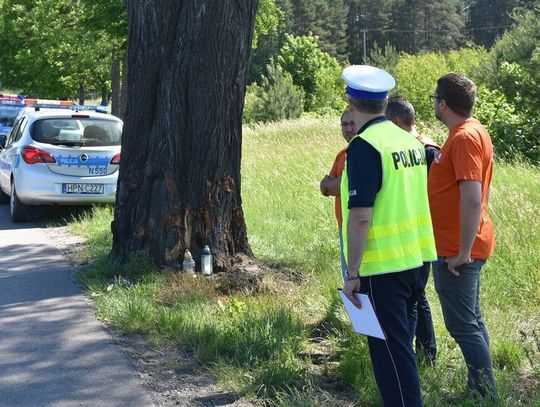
(10, 106)
(60, 156)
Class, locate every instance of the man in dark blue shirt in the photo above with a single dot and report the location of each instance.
(402, 114)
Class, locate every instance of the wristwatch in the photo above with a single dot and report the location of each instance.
(350, 278)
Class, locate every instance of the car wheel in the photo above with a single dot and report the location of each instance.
(17, 209)
(4, 198)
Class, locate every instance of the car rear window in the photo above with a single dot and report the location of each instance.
(8, 114)
(77, 131)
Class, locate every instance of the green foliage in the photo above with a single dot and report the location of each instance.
(47, 49)
(491, 13)
(531, 346)
(369, 15)
(95, 222)
(250, 100)
(106, 16)
(356, 369)
(507, 355)
(409, 26)
(268, 47)
(252, 336)
(509, 129)
(326, 19)
(55, 48)
(472, 61)
(329, 96)
(312, 69)
(303, 396)
(385, 58)
(269, 17)
(442, 25)
(275, 99)
(514, 202)
(279, 375)
(506, 98)
(416, 75)
(416, 79)
(516, 74)
(130, 308)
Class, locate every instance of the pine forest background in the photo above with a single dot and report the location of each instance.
(76, 50)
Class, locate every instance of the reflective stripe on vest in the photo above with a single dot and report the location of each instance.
(400, 236)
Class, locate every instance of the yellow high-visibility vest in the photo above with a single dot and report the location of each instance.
(400, 236)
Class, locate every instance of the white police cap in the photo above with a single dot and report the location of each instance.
(367, 82)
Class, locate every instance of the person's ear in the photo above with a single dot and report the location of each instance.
(443, 104)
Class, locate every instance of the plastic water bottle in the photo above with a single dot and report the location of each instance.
(188, 265)
(206, 261)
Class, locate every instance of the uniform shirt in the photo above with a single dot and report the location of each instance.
(364, 169)
(336, 171)
(432, 148)
(467, 154)
(431, 153)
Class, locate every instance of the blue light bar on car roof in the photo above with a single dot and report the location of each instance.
(76, 108)
(11, 102)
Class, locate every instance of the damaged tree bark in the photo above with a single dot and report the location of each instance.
(179, 181)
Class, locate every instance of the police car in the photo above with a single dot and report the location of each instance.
(10, 106)
(60, 156)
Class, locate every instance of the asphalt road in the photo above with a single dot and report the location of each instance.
(53, 350)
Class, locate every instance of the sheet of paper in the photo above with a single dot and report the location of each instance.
(364, 320)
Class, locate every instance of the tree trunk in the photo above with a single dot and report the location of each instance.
(104, 96)
(82, 93)
(179, 181)
(123, 86)
(115, 84)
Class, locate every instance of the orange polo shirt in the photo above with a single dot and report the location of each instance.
(467, 154)
(337, 169)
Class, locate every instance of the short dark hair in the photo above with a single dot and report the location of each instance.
(400, 107)
(368, 105)
(458, 91)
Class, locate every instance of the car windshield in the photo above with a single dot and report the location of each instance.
(76, 131)
(8, 114)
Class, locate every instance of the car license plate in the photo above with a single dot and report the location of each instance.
(83, 188)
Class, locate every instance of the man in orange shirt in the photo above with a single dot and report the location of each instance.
(330, 183)
(458, 188)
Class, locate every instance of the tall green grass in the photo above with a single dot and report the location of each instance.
(260, 344)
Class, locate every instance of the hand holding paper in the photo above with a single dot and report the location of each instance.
(364, 320)
(350, 288)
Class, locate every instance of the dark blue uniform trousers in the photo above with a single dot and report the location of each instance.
(421, 322)
(393, 296)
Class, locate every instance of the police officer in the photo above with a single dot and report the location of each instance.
(386, 228)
